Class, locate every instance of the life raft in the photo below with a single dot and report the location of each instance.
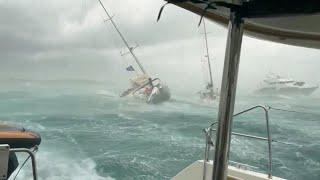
(18, 137)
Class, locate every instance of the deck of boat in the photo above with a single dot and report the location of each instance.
(196, 170)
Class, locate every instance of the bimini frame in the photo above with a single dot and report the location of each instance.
(227, 95)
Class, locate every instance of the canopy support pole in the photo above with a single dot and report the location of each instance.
(227, 95)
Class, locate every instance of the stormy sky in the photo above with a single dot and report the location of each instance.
(56, 39)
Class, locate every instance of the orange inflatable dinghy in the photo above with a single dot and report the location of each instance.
(18, 137)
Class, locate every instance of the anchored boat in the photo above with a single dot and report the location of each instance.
(209, 93)
(293, 22)
(279, 85)
(143, 86)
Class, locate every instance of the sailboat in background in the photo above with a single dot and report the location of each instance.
(151, 90)
(209, 93)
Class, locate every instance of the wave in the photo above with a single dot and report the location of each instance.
(106, 93)
(52, 166)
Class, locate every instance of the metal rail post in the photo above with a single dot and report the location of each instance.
(228, 93)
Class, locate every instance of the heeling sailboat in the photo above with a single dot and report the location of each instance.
(151, 90)
(209, 93)
(293, 22)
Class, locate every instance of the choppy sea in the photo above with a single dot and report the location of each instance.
(89, 133)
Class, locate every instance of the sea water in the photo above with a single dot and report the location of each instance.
(89, 133)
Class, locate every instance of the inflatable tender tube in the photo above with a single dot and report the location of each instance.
(18, 137)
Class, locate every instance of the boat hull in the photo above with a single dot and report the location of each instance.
(287, 91)
(160, 95)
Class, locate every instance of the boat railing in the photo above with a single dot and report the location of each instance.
(209, 142)
(4, 154)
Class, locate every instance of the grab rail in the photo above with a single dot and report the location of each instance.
(33, 159)
(269, 139)
(209, 141)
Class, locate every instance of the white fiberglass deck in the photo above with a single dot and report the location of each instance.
(195, 172)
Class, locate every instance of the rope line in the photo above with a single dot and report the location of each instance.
(292, 111)
(23, 164)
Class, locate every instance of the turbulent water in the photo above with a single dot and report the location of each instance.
(89, 133)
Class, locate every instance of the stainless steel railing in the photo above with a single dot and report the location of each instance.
(33, 159)
(209, 142)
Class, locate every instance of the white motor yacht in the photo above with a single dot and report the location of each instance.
(279, 85)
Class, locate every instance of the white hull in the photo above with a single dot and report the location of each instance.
(157, 96)
(162, 95)
(287, 91)
(195, 172)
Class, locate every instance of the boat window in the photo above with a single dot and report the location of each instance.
(285, 82)
(299, 83)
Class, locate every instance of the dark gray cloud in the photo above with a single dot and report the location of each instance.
(56, 38)
(35, 33)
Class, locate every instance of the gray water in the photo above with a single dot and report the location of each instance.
(89, 133)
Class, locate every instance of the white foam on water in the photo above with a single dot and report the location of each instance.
(106, 93)
(125, 116)
(54, 167)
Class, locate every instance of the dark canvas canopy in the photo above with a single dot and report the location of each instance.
(294, 22)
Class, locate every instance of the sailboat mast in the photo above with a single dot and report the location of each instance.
(208, 56)
(123, 39)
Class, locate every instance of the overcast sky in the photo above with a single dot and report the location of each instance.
(55, 39)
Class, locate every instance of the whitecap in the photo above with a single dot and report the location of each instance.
(53, 166)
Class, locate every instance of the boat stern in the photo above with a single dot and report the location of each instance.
(203, 171)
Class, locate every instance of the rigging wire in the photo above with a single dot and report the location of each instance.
(292, 111)
(23, 164)
(130, 49)
(118, 47)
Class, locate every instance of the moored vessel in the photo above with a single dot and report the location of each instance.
(143, 86)
(279, 85)
(209, 93)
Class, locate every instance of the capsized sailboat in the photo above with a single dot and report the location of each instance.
(143, 86)
(209, 93)
(293, 22)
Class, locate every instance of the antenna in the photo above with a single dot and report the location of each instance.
(130, 49)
